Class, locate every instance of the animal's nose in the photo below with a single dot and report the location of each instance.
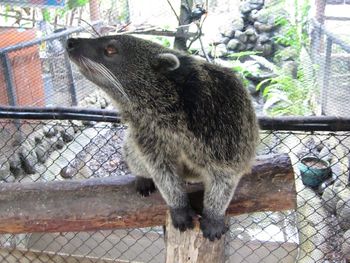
(72, 44)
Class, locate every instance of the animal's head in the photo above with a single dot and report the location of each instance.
(122, 65)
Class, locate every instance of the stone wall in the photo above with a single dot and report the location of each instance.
(253, 30)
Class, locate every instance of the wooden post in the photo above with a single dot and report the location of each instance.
(191, 247)
(94, 10)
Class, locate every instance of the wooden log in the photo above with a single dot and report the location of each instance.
(191, 247)
(108, 203)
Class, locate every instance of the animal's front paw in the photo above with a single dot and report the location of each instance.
(213, 227)
(145, 186)
(182, 217)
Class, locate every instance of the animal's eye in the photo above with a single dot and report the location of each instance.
(110, 50)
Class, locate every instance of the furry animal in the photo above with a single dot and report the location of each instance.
(188, 120)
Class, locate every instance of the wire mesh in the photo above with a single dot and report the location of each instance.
(77, 150)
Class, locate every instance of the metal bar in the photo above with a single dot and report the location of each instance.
(43, 39)
(297, 123)
(58, 113)
(337, 18)
(71, 83)
(336, 40)
(10, 82)
(326, 74)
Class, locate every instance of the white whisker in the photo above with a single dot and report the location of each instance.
(106, 73)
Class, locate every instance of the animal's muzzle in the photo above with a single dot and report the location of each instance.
(72, 44)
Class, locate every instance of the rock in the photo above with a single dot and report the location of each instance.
(227, 32)
(237, 24)
(232, 44)
(252, 89)
(266, 49)
(28, 157)
(249, 5)
(345, 247)
(332, 194)
(67, 133)
(252, 38)
(343, 213)
(50, 130)
(57, 142)
(219, 51)
(43, 149)
(264, 38)
(242, 37)
(88, 123)
(219, 40)
(253, 16)
(288, 53)
(263, 27)
(250, 46)
(246, 7)
(4, 168)
(37, 136)
(258, 2)
(250, 31)
(103, 103)
(290, 68)
(77, 125)
(16, 164)
(264, 16)
(242, 47)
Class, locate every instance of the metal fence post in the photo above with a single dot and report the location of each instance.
(10, 86)
(10, 83)
(326, 74)
(71, 83)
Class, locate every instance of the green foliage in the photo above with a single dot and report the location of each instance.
(76, 3)
(46, 15)
(240, 68)
(164, 41)
(286, 94)
(293, 31)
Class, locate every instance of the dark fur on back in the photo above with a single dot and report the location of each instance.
(188, 120)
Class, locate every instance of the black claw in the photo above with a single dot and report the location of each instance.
(182, 218)
(145, 186)
(213, 228)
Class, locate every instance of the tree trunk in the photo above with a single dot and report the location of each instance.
(185, 13)
(94, 10)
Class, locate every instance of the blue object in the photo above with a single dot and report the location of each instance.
(35, 3)
(314, 171)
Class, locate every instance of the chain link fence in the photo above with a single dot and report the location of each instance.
(64, 150)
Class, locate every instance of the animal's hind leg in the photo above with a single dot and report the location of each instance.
(219, 189)
(144, 184)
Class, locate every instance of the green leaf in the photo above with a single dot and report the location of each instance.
(46, 15)
(76, 3)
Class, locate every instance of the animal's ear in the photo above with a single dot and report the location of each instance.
(165, 62)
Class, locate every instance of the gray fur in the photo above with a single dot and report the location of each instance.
(187, 120)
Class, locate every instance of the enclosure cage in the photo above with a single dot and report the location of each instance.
(61, 137)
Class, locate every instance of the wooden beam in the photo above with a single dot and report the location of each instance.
(109, 203)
